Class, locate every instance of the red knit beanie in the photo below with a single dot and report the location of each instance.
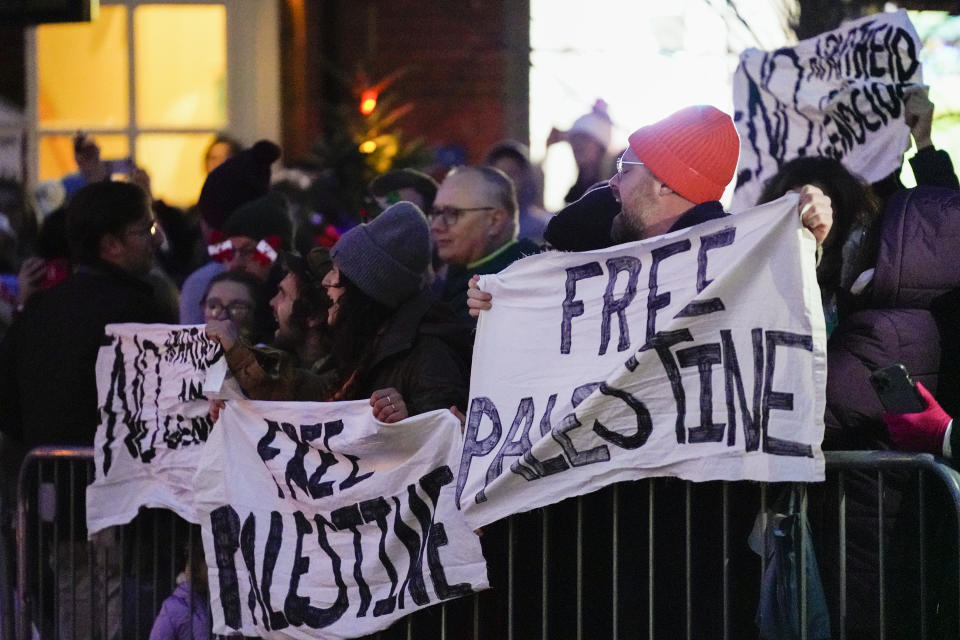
(694, 151)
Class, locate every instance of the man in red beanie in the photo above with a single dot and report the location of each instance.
(672, 176)
(675, 170)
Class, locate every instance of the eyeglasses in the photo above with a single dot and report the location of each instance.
(150, 231)
(236, 310)
(451, 215)
(621, 162)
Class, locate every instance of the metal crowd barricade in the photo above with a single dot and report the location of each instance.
(657, 558)
(7, 550)
(71, 587)
(927, 581)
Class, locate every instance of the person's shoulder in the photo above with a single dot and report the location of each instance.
(73, 182)
(176, 607)
(585, 223)
(698, 214)
(59, 299)
(527, 247)
(503, 258)
(111, 283)
(116, 296)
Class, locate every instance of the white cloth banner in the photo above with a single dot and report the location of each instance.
(323, 523)
(153, 419)
(839, 94)
(699, 354)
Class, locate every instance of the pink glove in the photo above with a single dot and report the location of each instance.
(922, 432)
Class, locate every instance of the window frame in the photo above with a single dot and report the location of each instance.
(253, 80)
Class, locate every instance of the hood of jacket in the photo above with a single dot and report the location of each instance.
(918, 257)
(423, 314)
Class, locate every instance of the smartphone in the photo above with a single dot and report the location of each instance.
(54, 271)
(897, 391)
(119, 169)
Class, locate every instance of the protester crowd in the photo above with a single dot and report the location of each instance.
(385, 310)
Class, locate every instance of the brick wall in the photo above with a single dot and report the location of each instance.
(467, 64)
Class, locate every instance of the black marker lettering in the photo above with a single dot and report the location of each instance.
(779, 400)
(573, 308)
(613, 305)
(659, 301)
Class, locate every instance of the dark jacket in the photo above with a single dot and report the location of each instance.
(48, 392)
(265, 373)
(454, 291)
(586, 224)
(946, 313)
(917, 261)
(931, 168)
(183, 616)
(698, 214)
(424, 353)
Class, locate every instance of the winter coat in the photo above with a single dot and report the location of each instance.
(917, 261)
(48, 391)
(454, 291)
(265, 373)
(181, 619)
(931, 168)
(424, 352)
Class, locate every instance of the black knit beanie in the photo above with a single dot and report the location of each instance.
(262, 218)
(240, 179)
(585, 224)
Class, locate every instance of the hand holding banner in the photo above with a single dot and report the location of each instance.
(699, 354)
(839, 95)
(325, 523)
(151, 385)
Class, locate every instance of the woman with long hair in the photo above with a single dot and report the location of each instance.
(851, 246)
(391, 340)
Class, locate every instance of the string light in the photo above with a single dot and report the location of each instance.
(368, 102)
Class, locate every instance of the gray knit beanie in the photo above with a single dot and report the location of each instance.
(386, 258)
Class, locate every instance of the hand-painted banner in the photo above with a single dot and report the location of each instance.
(153, 417)
(322, 523)
(699, 354)
(838, 95)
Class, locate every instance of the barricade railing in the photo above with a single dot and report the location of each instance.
(654, 558)
(7, 564)
(70, 587)
(930, 512)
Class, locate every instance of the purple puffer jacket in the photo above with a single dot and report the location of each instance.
(175, 622)
(918, 260)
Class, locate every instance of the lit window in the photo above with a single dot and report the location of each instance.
(165, 113)
(181, 66)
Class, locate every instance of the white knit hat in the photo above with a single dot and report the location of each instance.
(596, 124)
